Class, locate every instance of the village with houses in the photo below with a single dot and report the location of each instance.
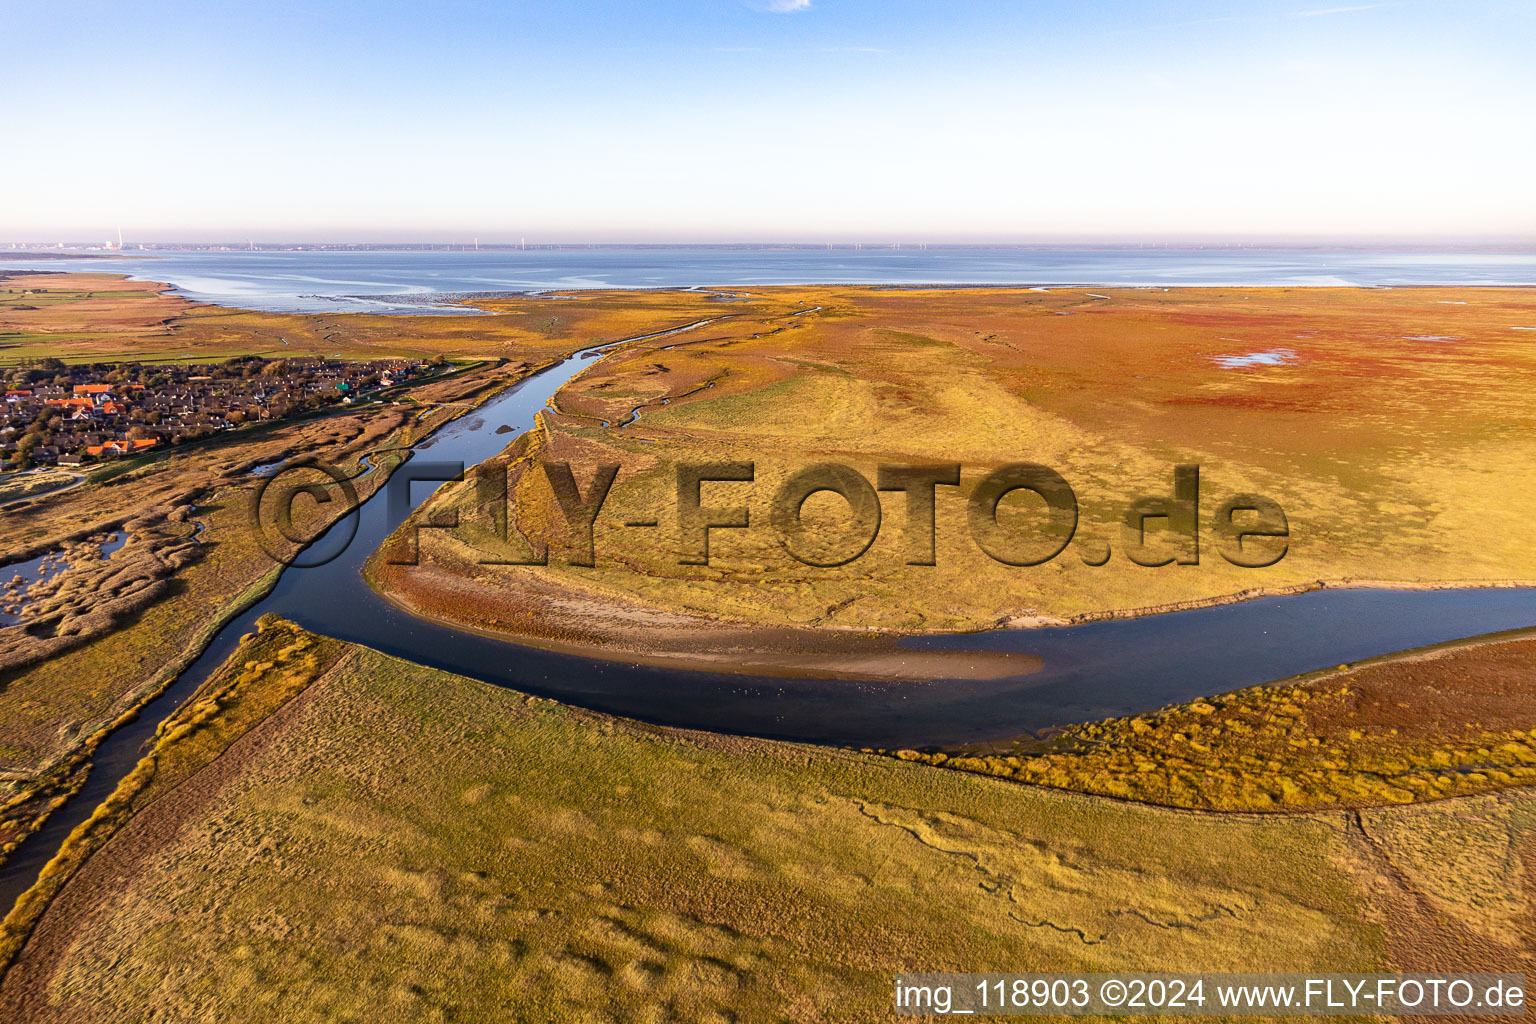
(56, 414)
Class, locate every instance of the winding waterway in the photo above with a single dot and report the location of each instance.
(1090, 671)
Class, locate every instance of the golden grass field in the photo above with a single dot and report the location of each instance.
(24, 485)
(1391, 428)
(398, 843)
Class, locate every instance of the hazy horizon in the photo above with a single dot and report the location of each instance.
(387, 241)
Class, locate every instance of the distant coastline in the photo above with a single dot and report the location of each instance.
(33, 255)
(421, 281)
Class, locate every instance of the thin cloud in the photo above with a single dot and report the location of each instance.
(1341, 10)
(781, 6)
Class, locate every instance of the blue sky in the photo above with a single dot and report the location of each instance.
(763, 120)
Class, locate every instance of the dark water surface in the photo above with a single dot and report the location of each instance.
(1127, 666)
(42, 567)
